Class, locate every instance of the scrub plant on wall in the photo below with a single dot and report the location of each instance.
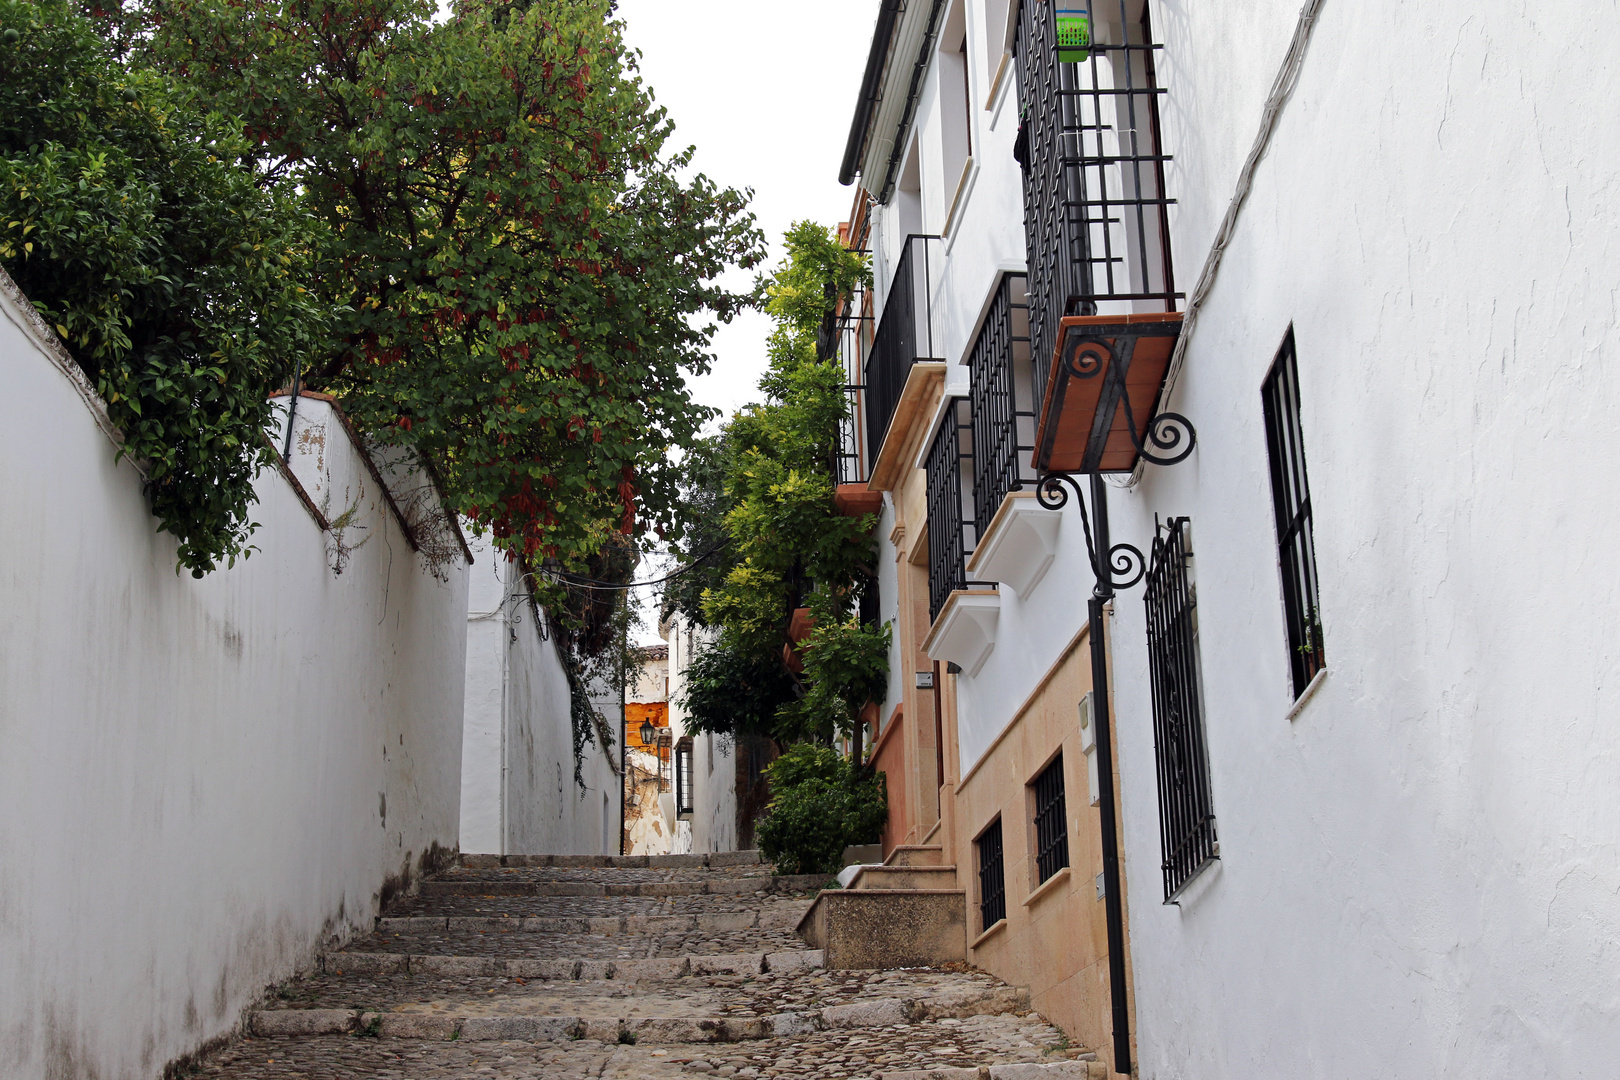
(132, 217)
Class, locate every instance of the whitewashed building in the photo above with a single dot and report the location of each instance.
(1318, 781)
(705, 763)
(519, 790)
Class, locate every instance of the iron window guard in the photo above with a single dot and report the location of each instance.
(1291, 504)
(1051, 822)
(992, 877)
(952, 533)
(1002, 400)
(1188, 842)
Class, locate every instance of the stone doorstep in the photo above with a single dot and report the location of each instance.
(1057, 1070)
(717, 860)
(880, 1012)
(719, 887)
(363, 963)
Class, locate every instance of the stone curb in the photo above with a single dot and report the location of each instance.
(1057, 1070)
(722, 887)
(719, 922)
(656, 968)
(716, 860)
(881, 1012)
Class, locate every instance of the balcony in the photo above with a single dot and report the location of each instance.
(1102, 295)
(963, 612)
(905, 335)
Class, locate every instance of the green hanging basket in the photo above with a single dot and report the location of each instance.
(1073, 32)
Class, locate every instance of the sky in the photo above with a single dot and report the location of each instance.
(764, 89)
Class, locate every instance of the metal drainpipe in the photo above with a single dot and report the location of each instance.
(292, 408)
(506, 682)
(1113, 909)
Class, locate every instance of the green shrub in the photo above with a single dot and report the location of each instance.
(821, 803)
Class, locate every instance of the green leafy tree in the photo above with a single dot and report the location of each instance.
(133, 220)
(526, 273)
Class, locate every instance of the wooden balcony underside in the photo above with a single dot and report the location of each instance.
(1101, 362)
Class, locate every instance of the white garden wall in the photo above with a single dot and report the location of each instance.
(518, 792)
(201, 781)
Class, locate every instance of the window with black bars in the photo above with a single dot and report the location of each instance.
(1002, 400)
(1291, 502)
(1095, 206)
(992, 878)
(683, 777)
(1186, 815)
(854, 333)
(951, 529)
(1051, 822)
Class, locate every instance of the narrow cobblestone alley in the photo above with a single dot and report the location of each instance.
(574, 967)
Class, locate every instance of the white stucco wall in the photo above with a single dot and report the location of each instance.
(713, 826)
(1419, 874)
(518, 791)
(201, 781)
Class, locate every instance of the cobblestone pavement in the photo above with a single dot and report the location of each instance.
(630, 988)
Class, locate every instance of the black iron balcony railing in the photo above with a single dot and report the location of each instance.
(905, 334)
(952, 532)
(1002, 400)
(854, 344)
(1095, 207)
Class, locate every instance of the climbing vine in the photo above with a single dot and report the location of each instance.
(787, 546)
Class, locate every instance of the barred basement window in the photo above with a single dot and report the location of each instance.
(683, 778)
(992, 878)
(1051, 822)
(1186, 817)
(1291, 502)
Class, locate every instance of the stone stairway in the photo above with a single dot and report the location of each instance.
(910, 911)
(679, 966)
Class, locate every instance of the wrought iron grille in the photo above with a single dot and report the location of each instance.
(905, 334)
(1002, 400)
(683, 777)
(1095, 208)
(1291, 499)
(1186, 815)
(1051, 821)
(992, 878)
(951, 530)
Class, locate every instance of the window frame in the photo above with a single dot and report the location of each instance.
(1292, 517)
(991, 902)
(1048, 854)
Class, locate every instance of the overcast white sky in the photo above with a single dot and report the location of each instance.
(765, 90)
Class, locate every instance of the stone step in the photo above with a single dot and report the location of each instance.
(717, 923)
(717, 859)
(565, 970)
(493, 1025)
(1058, 1070)
(720, 887)
(905, 877)
(916, 855)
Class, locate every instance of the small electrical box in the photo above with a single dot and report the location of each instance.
(925, 680)
(1088, 743)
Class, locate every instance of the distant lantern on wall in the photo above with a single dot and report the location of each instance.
(1073, 31)
(648, 733)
